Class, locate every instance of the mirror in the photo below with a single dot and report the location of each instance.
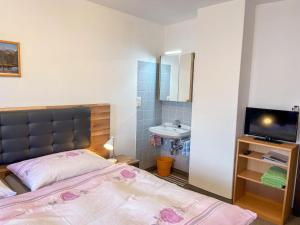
(176, 77)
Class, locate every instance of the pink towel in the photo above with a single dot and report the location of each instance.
(155, 140)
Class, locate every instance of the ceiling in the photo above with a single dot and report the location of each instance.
(164, 12)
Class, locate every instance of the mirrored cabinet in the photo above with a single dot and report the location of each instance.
(176, 77)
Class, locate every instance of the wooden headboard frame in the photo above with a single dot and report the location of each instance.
(100, 125)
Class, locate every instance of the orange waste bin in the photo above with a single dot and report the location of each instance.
(164, 165)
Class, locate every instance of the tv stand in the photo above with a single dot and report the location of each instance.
(268, 140)
(271, 204)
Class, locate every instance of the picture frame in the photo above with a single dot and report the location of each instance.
(10, 62)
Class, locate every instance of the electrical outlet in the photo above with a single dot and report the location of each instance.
(138, 102)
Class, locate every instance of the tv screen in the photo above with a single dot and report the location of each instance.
(272, 124)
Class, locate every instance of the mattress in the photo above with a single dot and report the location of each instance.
(119, 195)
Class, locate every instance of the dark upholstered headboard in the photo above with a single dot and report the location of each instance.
(33, 133)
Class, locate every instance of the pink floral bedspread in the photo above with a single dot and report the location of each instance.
(119, 194)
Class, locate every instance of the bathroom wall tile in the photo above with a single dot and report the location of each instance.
(172, 111)
(149, 114)
(142, 94)
(139, 116)
(143, 77)
(165, 69)
(148, 67)
(180, 163)
(153, 112)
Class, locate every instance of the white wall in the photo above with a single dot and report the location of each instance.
(215, 102)
(269, 76)
(77, 52)
(275, 76)
(181, 36)
(216, 36)
(246, 65)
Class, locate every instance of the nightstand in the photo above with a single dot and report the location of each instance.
(129, 160)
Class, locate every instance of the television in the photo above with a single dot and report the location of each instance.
(271, 125)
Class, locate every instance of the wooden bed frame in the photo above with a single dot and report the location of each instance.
(100, 126)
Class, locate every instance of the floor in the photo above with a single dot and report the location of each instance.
(292, 221)
(174, 178)
(182, 181)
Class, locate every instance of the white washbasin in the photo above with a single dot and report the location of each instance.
(170, 131)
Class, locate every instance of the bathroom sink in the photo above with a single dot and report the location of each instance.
(171, 131)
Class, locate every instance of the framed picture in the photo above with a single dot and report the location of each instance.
(10, 64)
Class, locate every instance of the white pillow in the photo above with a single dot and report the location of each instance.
(5, 191)
(39, 172)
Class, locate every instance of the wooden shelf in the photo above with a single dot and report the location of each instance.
(284, 146)
(265, 208)
(254, 177)
(271, 208)
(250, 175)
(258, 157)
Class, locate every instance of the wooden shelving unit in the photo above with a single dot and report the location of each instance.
(252, 176)
(258, 157)
(266, 208)
(275, 210)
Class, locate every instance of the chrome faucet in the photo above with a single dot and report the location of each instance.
(177, 123)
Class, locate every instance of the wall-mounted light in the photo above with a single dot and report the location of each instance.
(174, 52)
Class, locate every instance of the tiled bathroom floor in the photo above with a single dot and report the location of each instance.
(174, 178)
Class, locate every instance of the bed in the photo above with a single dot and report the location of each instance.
(115, 194)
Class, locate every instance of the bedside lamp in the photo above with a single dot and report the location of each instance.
(109, 145)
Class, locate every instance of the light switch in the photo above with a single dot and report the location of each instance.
(138, 102)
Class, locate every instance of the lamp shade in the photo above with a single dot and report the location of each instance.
(109, 145)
